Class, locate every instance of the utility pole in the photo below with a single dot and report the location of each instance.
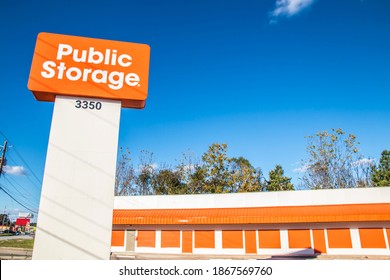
(2, 159)
(2, 222)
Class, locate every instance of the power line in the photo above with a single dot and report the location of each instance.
(33, 182)
(26, 164)
(6, 138)
(9, 178)
(23, 160)
(8, 191)
(2, 188)
(28, 203)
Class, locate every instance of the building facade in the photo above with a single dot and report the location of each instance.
(332, 222)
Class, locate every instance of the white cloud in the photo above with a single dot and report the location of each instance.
(14, 170)
(288, 8)
(189, 167)
(152, 166)
(301, 169)
(364, 162)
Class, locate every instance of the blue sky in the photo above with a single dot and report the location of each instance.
(257, 75)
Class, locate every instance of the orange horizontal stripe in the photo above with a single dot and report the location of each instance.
(256, 215)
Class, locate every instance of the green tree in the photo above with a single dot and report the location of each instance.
(334, 162)
(191, 173)
(216, 169)
(125, 175)
(168, 181)
(5, 221)
(277, 181)
(146, 172)
(381, 173)
(196, 182)
(243, 176)
(221, 174)
(216, 173)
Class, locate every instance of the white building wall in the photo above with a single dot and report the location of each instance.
(260, 199)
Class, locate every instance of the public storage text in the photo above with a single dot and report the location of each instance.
(114, 80)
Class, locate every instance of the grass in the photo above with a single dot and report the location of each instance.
(18, 243)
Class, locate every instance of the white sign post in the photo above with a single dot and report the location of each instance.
(90, 80)
(75, 217)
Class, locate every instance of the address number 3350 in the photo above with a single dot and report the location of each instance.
(85, 104)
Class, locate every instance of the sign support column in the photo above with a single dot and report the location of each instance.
(75, 217)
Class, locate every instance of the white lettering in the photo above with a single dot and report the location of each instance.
(113, 58)
(79, 59)
(92, 53)
(102, 73)
(132, 79)
(114, 80)
(63, 49)
(61, 69)
(72, 77)
(110, 57)
(107, 57)
(50, 72)
(122, 57)
(116, 83)
(85, 74)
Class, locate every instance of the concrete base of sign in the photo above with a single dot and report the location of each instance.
(75, 213)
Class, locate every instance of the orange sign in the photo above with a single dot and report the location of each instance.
(86, 67)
